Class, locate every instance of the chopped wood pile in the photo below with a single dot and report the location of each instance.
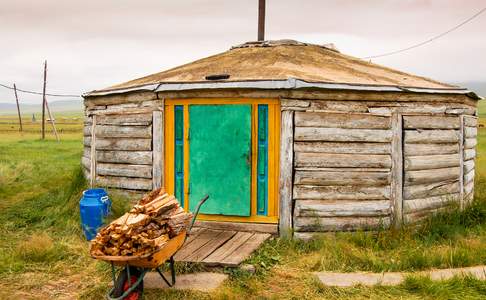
(144, 229)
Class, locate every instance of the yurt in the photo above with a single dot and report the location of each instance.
(287, 137)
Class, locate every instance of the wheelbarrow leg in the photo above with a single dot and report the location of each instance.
(172, 273)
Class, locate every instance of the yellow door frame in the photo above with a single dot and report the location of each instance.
(273, 155)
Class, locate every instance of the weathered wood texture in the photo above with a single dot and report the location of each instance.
(341, 192)
(433, 164)
(125, 157)
(397, 169)
(431, 136)
(129, 183)
(342, 134)
(342, 160)
(141, 171)
(426, 122)
(319, 224)
(158, 151)
(114, 131)
(343, 147)
(342, 170)
(341, 208)
(123, 144)
(431, 161)
(286, 172)
(341, 178)
(341, 120)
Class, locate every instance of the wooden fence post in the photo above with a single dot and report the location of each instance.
(92, 181)
(286, 173)
(157, 149)
(397, 169)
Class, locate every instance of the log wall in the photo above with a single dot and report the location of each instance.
(369, 164)
(118, 144)
(347, 168)
(469, 136)
(432, 164)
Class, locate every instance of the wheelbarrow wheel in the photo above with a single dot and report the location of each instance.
(121, 284)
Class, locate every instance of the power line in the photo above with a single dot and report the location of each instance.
(429, 40)
(39, 93)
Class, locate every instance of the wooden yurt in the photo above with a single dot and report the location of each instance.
(287, 137)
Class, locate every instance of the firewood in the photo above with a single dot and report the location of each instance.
(147, 227)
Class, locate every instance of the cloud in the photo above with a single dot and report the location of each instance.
(93, 44)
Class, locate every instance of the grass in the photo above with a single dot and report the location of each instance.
(43, 253)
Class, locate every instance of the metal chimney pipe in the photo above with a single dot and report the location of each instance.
(261, 20)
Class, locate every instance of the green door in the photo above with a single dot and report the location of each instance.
(220, 158)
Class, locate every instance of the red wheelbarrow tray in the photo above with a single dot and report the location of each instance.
(151, 260)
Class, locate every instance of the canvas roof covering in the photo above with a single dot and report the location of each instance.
(272, 64)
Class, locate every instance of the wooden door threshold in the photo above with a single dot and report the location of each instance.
(239, 226)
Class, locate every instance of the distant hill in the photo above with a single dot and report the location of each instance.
(61, 106)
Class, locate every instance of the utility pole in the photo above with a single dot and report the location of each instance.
(261, 20)
(18, 107)
(44, 102)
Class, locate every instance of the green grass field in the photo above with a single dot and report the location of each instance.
(43, 254)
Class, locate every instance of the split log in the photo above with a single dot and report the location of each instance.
(431, 189)
(112, 131)
(141, 171)
(341, 134)
(302, 224)
(343, 147)
(469, 154)
(144, 229)
(294, 103)
(430, 149)
(470, 132)
(470, 121)
(415, 205)
(431, 136)
(342, 160)
(341, 178)
(341, 192)
(125, 157)
(125, 182)
(123, 144)
(126, 120)
(468, 188)
(468, 166)
(470, 143)
(431, 122)
(341, 208)
(469, 177)
(341, 120)
(432, 175)
(431, 162)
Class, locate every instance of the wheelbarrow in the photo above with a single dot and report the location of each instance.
(129, 282)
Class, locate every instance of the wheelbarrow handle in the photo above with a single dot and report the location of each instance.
(201, 202)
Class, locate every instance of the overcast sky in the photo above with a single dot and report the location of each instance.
(92, 44)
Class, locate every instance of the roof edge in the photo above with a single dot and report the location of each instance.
(290, 83)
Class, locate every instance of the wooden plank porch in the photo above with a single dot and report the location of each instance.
(214, 247)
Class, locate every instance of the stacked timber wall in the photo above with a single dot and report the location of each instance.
(432, 164)
(469, 142)
(371, 164)
(119, 146)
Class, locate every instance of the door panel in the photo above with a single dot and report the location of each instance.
(220, 158)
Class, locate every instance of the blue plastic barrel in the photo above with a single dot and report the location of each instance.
(92, 209)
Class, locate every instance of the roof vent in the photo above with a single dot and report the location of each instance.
(217, 76)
